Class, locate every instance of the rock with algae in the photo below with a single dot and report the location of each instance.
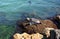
(36, 28)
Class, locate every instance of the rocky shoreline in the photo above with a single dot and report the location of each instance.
(24, 26)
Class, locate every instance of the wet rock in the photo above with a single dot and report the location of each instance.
(56, 20)
(36, 28)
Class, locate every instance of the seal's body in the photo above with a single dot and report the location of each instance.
(33, 21)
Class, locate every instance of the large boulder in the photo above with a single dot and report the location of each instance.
(36, 28)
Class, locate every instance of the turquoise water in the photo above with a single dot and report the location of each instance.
(13, 10)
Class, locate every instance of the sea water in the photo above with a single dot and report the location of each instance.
(13, 10)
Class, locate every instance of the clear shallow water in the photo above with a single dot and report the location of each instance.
(11, 10)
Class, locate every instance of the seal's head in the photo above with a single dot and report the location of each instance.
(28, 19)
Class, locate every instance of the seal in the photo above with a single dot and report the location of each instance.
(33, 21)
